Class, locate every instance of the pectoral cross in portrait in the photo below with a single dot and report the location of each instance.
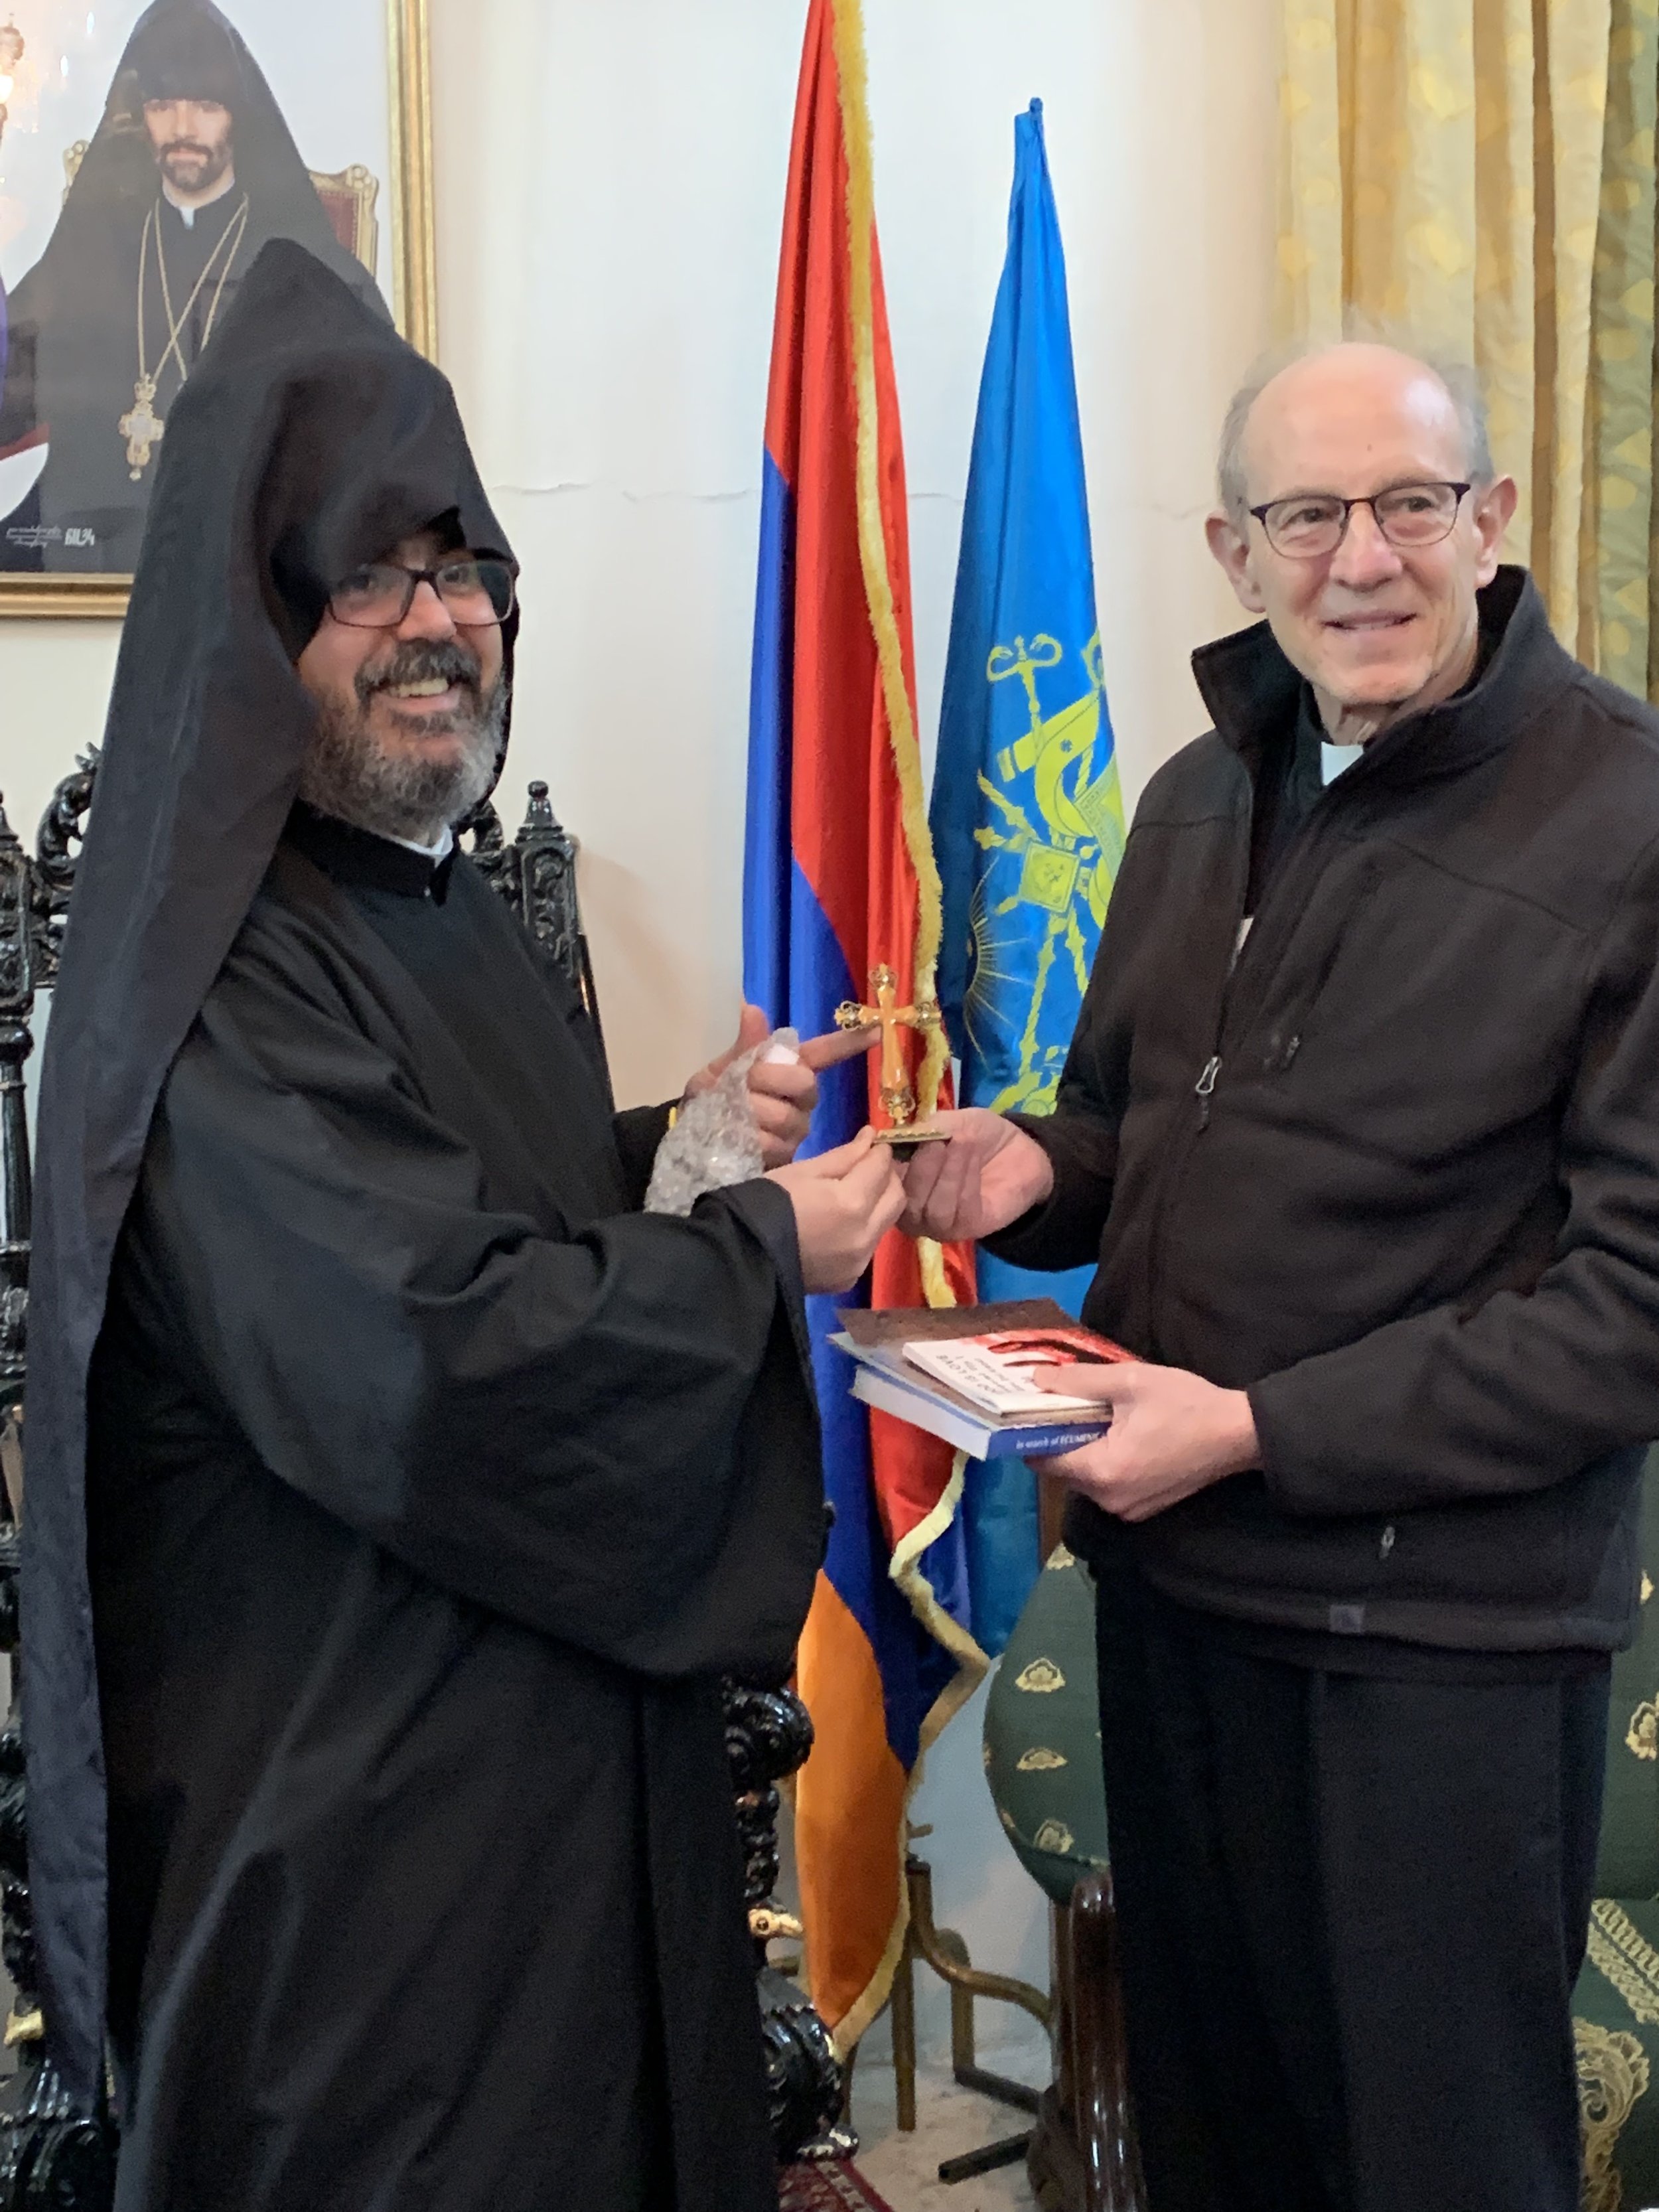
(898, 1095)
(142, 428)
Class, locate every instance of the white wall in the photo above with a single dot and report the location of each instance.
(611, 184)
(611, 192)
(607, 280)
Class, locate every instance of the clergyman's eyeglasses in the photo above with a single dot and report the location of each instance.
(477, 592)
(1310, 527)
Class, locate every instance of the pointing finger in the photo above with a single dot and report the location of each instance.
(753, 1029)
(837, 1045)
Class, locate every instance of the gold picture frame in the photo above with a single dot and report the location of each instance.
(414, 273)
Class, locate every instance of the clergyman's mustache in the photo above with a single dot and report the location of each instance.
(422, 660)
(187, 146)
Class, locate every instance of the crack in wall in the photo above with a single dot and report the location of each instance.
(635, 498)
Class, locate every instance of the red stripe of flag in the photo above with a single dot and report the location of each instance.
(859, 840)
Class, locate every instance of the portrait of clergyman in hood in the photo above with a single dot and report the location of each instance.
(157, 151)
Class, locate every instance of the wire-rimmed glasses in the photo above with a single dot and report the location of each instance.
(1312, 525)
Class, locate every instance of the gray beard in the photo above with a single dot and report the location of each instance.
(346, 773)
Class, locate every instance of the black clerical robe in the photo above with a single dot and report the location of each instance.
(431, 1486)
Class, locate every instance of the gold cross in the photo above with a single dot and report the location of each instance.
(142, 428)
(898, 1097)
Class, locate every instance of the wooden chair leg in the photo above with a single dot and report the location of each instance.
(1060, 1974)
(1083, 2157)
(1099, 2066)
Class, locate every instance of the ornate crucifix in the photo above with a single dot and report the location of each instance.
(898, 1095)
(142, 428)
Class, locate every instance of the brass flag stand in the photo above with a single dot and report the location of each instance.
(944, 1952)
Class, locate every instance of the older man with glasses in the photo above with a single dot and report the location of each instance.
(1361, 1127)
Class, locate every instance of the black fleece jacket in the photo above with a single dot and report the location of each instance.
(1396, 1170)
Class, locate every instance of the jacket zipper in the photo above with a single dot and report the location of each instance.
(1204, 1088)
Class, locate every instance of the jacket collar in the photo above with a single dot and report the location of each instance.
(1252, 692)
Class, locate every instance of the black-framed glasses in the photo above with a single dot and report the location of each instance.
(476, 592)
(1311, 526)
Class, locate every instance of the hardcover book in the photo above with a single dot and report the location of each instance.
(966, 1374)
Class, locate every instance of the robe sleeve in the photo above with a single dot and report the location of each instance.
(610, 1436)
(639, 1131)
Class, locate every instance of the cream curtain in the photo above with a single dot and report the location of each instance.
(1623, 381)
(1442, 174)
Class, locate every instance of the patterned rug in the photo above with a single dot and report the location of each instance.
(837, 2188)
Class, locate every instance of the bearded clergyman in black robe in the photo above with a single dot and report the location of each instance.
(192, 170)
(398, 1490)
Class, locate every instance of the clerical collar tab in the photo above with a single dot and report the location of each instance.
(358, 858)
(189, 209)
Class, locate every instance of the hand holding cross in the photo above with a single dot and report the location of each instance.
(898, 1095)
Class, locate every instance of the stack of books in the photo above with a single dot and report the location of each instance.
(965, 1373)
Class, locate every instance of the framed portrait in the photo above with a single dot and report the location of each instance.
(149, 149)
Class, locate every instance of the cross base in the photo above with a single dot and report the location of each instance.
(905, 1143)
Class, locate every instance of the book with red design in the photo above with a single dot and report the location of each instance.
(968, 1374)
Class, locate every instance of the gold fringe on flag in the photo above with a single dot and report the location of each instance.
(904, 1568)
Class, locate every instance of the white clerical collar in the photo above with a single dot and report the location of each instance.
(1337, 760)
(439, 849)
(188, 213)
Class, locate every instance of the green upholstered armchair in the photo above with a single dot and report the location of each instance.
(1042, 1760)
(1616, 2004)
(1042, 1732)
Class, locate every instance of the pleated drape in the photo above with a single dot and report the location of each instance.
(1622, 386)
(1441, 178)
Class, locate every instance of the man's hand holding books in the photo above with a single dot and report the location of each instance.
(1172, 1434)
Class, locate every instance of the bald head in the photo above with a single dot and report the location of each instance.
(1361, 514)
(1355, 376)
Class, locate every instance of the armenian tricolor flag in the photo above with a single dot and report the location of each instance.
(839, 877)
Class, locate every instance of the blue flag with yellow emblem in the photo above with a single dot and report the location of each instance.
(1027, 813)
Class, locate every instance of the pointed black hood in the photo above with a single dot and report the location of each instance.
(310, 440)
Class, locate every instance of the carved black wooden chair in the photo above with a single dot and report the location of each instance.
(51, 2160)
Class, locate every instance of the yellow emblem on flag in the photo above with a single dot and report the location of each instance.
(1063, 823)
